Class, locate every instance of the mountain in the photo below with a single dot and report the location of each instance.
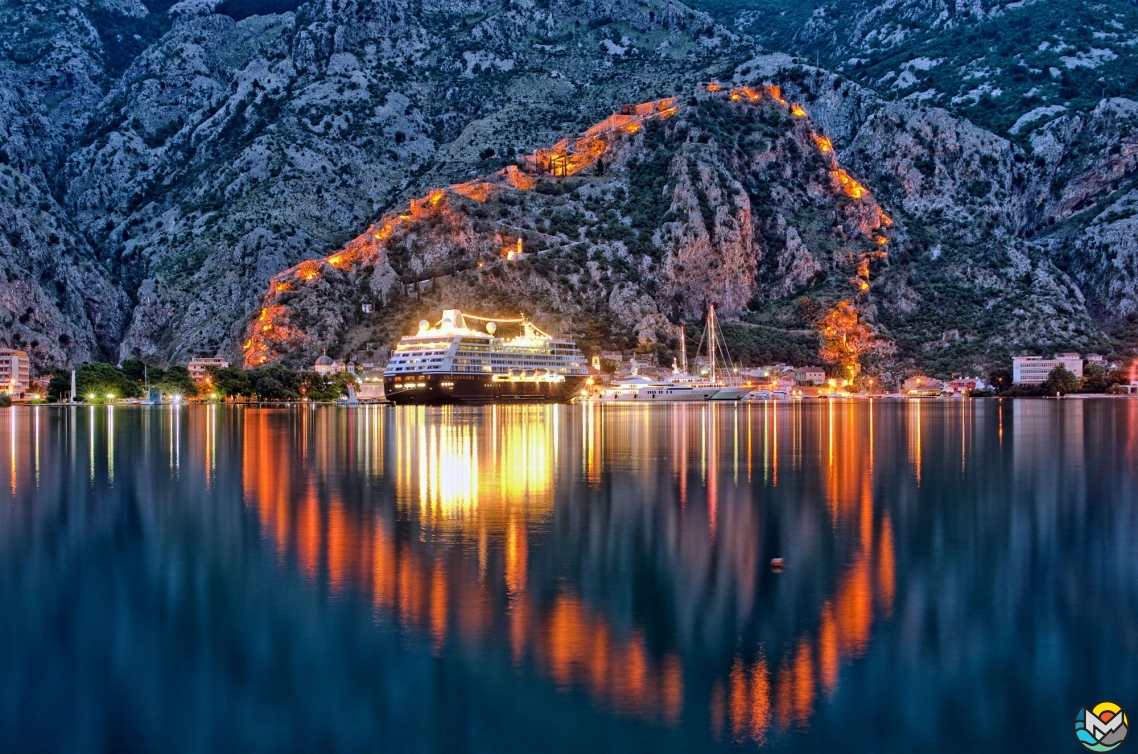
(740, 198)
(1006, 66)
(228, 149)
(162, 164)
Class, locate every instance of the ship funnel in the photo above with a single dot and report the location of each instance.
(455, 317)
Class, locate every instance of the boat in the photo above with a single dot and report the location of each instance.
(722, 389)
(680, 385)
(639, 388)
(450, 362)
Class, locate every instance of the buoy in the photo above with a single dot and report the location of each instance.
(776, 564)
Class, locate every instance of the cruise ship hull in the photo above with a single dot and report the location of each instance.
(444, 389)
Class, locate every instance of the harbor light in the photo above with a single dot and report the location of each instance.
(91, 396)
(110, 396)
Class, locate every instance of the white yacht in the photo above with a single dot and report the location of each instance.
(724, 389)
(638, 388)
(680, 385)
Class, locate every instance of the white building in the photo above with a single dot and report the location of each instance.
(325, 366)
(198, 366)
(1034, 370)
(811, 375)
(15, 372)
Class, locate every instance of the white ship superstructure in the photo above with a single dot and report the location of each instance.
(452, 362)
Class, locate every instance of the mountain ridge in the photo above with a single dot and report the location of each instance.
(229, 150)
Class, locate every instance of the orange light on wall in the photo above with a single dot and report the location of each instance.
(713, 87)
(797, 111)
(824, 144)
(776, 93)
(850, 187)
(435, 196)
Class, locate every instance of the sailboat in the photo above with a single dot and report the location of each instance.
(680, 386)
(720, 380)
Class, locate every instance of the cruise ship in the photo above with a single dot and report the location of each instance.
(451, 362)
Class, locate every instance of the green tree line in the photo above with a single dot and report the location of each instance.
(98, 382)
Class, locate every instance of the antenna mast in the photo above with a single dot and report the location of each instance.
(711, 339)
(683, 350)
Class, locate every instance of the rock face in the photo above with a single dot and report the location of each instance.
(227, 150)
(160, 165)
(710, 205)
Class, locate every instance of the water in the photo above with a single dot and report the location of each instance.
(960, 576)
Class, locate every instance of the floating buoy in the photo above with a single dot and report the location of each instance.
(776, 564)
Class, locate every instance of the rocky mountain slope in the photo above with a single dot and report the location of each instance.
(230, 149)
(1005, 65)
(738, 199)
(162, 164)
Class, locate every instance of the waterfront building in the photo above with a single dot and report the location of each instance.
(810, 375)
(371, 385)
(920, 384)
(1034, 370)
(616, 357)
(324, 364)
(198, 366)
(964, 385)
(15, 372)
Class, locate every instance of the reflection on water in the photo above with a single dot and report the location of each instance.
(588, 575)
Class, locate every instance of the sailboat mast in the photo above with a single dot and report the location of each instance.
(683, 350)
(711, 339)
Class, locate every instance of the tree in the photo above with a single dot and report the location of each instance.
(59, 388)
(1098, 379)
(177, 381)
(1062, 381)
(94, 378)
(1000, 379)
(231, 382)
(846, 338)
(138, 371)
(275, 383)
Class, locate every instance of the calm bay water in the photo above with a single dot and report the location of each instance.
(960, 576)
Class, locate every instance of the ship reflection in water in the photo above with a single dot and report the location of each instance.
(567, 576)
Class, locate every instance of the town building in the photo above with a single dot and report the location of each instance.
(920, 384)
(325, 366)
(371, 385)
(1034, 370)
(15, 372)
(810, 375)
(198, 366)
(964, 385)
